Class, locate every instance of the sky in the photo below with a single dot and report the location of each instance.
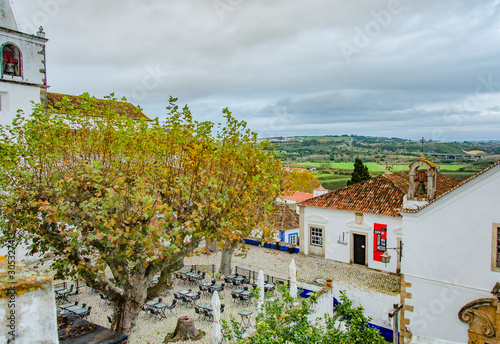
(394, 68)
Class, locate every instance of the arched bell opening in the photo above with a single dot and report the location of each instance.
(12, 63)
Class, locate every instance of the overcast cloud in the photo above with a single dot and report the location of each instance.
(288, 67)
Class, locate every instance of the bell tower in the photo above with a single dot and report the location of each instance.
(422, 183)
(22, 66)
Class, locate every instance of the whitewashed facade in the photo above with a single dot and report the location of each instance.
(450, 258)
(340, 228)
(22, 76)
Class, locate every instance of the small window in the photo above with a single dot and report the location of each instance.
(495, 248)
(498, 248)
(11, 60)
(316, 236)
(293, 238)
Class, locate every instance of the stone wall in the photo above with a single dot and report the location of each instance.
(27, 305)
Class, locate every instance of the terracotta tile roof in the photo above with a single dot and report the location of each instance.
(123, 108)
(321, 188)
(298, 196)
(283, 218)
(455, 187)
(382, 195)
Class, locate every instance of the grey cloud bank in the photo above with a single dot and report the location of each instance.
(411, 68)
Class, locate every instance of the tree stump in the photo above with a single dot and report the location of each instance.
(185, 330)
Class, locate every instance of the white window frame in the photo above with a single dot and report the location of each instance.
(316, 236)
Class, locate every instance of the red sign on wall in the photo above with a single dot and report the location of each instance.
(379, 241)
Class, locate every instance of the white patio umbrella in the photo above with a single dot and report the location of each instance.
(293, 279)
(260, 284)
(216, 328)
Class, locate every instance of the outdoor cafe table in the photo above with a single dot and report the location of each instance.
(160, 306)
(184, 292)
(66, 305)
(237, 291)
(231, 277)
(77, 310)
(62, 294)
(191, 296)
(215, 287)
(207, 284)
(206, 306)
(194, 276)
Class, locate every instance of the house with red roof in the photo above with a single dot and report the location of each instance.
(359, 223)
(295, 197)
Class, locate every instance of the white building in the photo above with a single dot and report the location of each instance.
(23, 76)
(356, 224)
(451, 264)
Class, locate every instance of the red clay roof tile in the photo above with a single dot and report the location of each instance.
(382, 195)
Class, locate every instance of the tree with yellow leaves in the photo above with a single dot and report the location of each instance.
(119, 201)
(304, 181)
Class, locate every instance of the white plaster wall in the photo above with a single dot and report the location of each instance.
(376, 305)
(447, 257)
(29, 45)
(15, 97)
(35, 317)
(337, 222)
(436, 306)
(324, 306)
(426, 340)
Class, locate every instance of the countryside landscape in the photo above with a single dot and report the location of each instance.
(331, 158)
(229, 171)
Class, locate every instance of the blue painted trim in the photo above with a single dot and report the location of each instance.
(290, 234)
(268, 245)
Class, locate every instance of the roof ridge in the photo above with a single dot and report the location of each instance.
(474, 176)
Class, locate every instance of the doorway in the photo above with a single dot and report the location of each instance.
(359, 249)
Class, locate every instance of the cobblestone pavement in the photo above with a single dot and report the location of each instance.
(152, 330)
(309, 268)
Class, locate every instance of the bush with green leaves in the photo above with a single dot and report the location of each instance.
(286, 320)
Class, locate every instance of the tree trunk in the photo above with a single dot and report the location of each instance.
(125, 312)
(185, 330)
(211, 246)
(225, 260)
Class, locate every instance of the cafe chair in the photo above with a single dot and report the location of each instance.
(171, 308)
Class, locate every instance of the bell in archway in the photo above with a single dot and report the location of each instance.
(421, 189)
(9, 68)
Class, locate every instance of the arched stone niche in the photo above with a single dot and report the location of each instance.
(422, 179)
(12, 62)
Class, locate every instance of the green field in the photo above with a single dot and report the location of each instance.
(372, 167)
(441, 167)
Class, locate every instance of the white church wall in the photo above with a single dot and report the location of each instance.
(448, 256)
(15, 97)
(31, 47)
